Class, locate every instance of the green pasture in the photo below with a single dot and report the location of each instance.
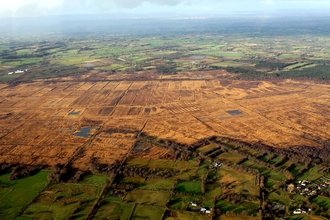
(184, 215)
(207, 148)
(289, 56)
(59, 201)
(32, 183)
(312, 174)
(281, 197)
(179, 202)
(189, 187)
(322, 201)
(212, 190)
(264, 170)
(228, 174)
(225, 217)
(274, 160)
(229, 64)
(19, 193)
(158, 184)
(228, 157)
(142, 212)
(114, 210)
(159, 163)
(294, 169)
(226, 206)
(140, 162)
(159, 198)
(202, 170)
(185, 165)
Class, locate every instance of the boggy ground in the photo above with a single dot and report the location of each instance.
(39, 119)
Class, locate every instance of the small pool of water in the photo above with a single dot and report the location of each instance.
(88, 65)
(84, 132)
(235, 112)
(198, 57)
(74, 113)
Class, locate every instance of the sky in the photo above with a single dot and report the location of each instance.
(33, 8)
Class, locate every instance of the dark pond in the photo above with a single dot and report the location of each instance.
(235, 112)
(84, 132)
(198, 57)
(74, 113)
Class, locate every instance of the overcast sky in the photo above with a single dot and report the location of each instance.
(27, 8)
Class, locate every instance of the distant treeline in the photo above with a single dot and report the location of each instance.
(272, 65)
(319, 72)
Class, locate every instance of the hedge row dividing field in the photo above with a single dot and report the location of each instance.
(234, 188)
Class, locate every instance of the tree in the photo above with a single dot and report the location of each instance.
(290, 188)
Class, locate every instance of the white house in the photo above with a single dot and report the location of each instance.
(297, 211)
(205, 211)
(193, 204)
(18, 71)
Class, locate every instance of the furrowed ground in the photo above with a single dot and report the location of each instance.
(69, 120)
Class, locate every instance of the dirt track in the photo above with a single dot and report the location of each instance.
(38, 120)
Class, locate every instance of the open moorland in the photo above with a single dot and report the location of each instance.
(220, 125)
(70, 121)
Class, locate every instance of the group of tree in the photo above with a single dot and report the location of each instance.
(145, 172)
(21, 171)
(166, 69)
(59, 174)
(318, 72)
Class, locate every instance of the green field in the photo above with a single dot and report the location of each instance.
(158, 184)
(180, 202)
(207, 148)
(147, 212)
(20, 193)
(136, 53)
(138, 197)
(189, 187)
(181, 215)
(322, 202)
(147, 197)
(264, 170)
(113, 210)
(229, 157)
(160, 163)
(213, 190)
(66, 199)
(226, 206)
(141, 162)
(312, 174)
(150, 197)
(136, 181)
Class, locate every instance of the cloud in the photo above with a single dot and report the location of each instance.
(136, 3)
(47, 7)
(28, 11)
(268, 2)
(6, 13)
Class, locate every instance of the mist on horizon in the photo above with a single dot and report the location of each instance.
(36, 8)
